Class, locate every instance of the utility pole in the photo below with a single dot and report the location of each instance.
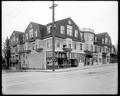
(53, 33)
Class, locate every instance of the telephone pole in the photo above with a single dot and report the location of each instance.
(53, 33)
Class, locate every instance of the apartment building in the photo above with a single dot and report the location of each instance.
(16, 47)
(90, 54)
(74, 47)
(103, 43)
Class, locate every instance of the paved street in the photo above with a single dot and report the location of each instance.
(98, 80)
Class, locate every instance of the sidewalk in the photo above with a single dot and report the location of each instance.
(59, 70)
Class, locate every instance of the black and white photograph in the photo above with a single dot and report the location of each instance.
(59, 47)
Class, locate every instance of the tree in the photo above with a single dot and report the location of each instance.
(7, 53)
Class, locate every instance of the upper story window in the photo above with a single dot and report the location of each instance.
(102, 40)
(58, 44)
(48, 44)
(106, 49)
(112, 50)
(70, 46)
(14, 38)
(106, 40)
(69, 30)
(36, 33)
(75, 46)
(62, 29)
(103, 49)
(30, 25)
(100, 48)
(26, 35)
(86, 47)
(48, 28)
(80, 46)
(76, 33)
(95, 39)
(81, 34)
(109, 42)
(31, 33)
(91, 47)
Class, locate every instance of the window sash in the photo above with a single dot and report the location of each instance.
(62, 29)
(69, 30)
(31, 33)
(80, 46)
(36, 33)
(76, 33)
(48, 28)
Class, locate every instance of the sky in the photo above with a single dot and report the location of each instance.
(102, 16)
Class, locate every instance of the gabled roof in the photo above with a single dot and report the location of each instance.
(99, 35)
(18, 32)
(58, 21)
(62, 21)
(37, 23)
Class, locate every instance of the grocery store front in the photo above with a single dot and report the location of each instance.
(62, 59)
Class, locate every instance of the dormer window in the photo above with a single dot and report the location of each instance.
(95, 39)
(76, 33)
(48, 28)
(69, 30)
(81, 34)
(69, 22)
(62, 29)
(30, 25)
(106, 40)
(31, 33)
(102, 40)
(14, 38)
(36, 33)
(26, 35)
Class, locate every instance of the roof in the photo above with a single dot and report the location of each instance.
(59, 20)
(103, 33)
(37, 23)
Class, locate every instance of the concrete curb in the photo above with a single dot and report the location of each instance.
(59, 70)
